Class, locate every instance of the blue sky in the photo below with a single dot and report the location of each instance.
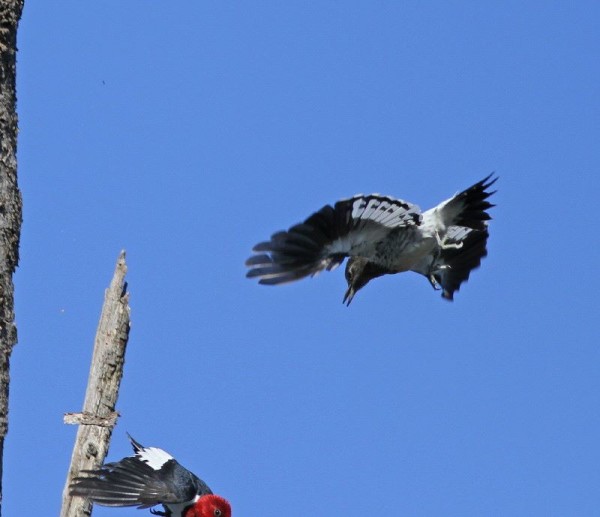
(186, 132)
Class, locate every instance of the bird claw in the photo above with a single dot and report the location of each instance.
(453, 246)
(434, 283)
(446, 245)
(158, 512)
(432, 279)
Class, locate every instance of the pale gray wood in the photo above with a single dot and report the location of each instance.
(98, 416)
(10, 203)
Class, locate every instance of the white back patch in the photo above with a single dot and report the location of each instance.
(154, 457)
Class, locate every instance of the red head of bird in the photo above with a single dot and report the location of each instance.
(209, 506)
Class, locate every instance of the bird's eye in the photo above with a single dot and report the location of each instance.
(217, 512)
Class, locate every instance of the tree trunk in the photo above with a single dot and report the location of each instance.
(98, 418)
(10, 203)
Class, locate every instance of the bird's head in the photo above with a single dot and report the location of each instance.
(359, 271)
(209, 506)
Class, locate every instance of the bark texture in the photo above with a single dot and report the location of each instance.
(10, 203)
(98, 418)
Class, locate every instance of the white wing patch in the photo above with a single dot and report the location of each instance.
(371, 217)
(154, 457)
(359, 210)
(385, 211)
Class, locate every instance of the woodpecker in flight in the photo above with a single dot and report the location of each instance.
(149, 478)
(382, 235)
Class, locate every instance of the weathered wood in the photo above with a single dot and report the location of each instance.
(10, 202)
(89, 419)
(99, 416)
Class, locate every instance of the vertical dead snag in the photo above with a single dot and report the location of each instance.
(10, 202)
(98, 418)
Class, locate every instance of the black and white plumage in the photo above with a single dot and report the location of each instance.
(151, 477)
(382, 235)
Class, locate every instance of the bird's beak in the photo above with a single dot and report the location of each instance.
(348, 296)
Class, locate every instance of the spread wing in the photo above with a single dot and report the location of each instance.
(467, 208)
(452, 266)
(352, 227)
(462, 223)
(460, 262)
(149, 478)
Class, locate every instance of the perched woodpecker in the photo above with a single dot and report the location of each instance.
(149, 478)
(382, 235)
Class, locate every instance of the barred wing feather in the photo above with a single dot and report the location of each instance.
(352, 227)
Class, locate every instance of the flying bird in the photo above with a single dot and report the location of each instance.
(148, 478)
(382, 236)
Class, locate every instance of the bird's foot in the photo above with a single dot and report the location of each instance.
(452, 246)
(447, 245)
(158, 512)
(434, 283)
(432, 279)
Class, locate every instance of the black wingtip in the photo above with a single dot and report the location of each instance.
(137, 447)
(472, 204)
(486, 183)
